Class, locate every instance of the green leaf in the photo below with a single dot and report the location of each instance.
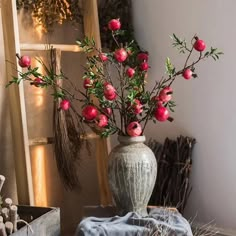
(13, 81)
(170, 70)
(214, 53)
(180, 44)
(109, 131)
(86, 44)
(58, 94)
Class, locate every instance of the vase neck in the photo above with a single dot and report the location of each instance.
(128, 139)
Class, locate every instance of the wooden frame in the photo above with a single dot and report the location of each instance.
(17, 103)
(43, 47)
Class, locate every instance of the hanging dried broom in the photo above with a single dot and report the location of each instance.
(67, 132)
(68, 129)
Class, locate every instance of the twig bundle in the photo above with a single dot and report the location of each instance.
(174, 159)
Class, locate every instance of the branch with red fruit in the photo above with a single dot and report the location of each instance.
(138, 105)
(117, 80)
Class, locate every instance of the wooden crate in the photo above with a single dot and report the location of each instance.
(44, 221)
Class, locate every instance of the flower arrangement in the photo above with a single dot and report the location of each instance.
(115, 99)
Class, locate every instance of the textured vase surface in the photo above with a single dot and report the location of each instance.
(132, 171)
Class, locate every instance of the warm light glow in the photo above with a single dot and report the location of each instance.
(39, 93)
(38, 64)
(39, 100)
(38, 154)
(39, 176)
(38, 27)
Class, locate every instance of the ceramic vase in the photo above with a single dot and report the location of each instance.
(132, 171)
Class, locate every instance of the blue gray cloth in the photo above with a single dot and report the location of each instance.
(160, 221)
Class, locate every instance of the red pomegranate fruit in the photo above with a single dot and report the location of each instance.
(199, 45)
(158, 101)
(121, 55)
(142, 56)
(89, 112)
(137, 107)
(65, 104)
(102, 121)
(37, 82)
(144, 66)
(165, 94)
(24, 61)
(103, 57)
(109, 89)
(134, 129)
(111, 96)
(107, 111)
(130, 72)
(187, 74)
(161, 113)
(87, 83)
(114, 24)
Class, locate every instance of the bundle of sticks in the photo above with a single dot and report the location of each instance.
(8, 214)
(174, 160)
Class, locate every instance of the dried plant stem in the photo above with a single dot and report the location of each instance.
(8, 202)
(5, 214)
(2, 180)
(3, 230)
(13, 216)
(9, 227)
(186, 62)
(114, 38)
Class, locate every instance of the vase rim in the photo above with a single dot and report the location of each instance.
(129, 139)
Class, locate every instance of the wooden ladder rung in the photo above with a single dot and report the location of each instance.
(44, 47)
(50, 140)
(41, 141)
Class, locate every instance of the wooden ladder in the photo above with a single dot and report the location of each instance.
(21, 142)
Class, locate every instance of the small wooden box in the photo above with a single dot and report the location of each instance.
(44, 221)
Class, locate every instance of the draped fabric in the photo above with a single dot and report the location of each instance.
(160, 221)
